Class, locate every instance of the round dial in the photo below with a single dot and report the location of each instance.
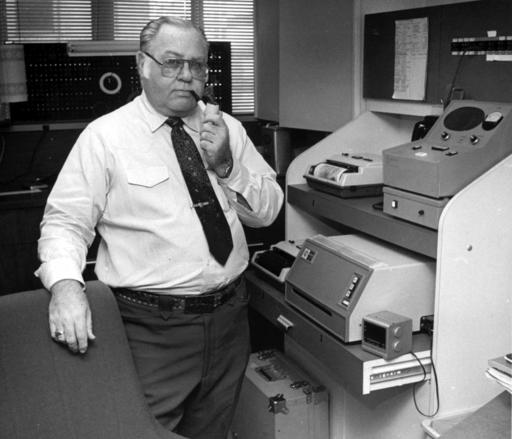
(110, 83)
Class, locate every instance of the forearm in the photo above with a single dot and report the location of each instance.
(256, 198)
(250, 185)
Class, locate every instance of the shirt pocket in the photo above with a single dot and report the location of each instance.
(148, 176)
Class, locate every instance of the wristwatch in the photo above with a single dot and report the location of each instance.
(226, 169)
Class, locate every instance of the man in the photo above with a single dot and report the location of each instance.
(183, 305)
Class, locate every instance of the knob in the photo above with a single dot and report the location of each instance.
(445, 135)
(474, 139)
(397, 332)
(397, 346)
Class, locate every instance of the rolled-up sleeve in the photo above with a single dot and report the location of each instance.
(251, 178)
(74, 205)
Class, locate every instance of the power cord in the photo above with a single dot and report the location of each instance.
(424, 379)
(427, 327)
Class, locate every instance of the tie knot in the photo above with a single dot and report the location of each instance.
(174, 121)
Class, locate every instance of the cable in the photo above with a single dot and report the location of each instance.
(424, 379)
(46, 129)
(452, 84)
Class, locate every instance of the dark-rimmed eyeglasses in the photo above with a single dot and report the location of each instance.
(171, 67)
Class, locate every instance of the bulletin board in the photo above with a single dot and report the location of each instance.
(476, 77)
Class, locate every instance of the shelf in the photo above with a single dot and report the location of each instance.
(348, 362)
(359, 214)
(403, 107)
(23, 199)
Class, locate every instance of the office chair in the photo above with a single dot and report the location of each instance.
(46, 392)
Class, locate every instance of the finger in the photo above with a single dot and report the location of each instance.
(209, 149)
(81, 335)
(212, 119)
(207, 137)
(208, 129)
(72, 343)
(210, 122)
(90, 334)
(70, 338)
(56, 333)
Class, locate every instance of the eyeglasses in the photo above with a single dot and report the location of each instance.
(171, 67)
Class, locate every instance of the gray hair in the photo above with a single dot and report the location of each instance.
(150, 30)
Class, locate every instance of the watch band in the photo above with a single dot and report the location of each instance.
(227, 169)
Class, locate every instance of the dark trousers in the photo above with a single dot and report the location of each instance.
(191, 366)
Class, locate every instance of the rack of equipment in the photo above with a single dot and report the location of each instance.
(420, 177)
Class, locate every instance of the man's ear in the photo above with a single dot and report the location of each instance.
(142, 65)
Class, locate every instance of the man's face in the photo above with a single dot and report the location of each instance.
(172, 96)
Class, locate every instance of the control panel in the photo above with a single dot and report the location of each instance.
(64, 88)
(465, 141)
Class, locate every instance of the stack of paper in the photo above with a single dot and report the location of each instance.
(500, 370)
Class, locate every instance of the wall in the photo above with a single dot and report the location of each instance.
(267, 59)
(315, 64)
(308, 83)
(362, 7)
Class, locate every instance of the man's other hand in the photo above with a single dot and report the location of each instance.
(70, 315)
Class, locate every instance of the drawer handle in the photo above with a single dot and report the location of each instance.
(285, 322)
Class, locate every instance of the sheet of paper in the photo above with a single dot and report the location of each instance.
(411, 49)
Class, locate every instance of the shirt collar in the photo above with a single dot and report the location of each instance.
(156, 120)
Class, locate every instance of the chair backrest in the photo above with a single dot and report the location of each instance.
(46, 392)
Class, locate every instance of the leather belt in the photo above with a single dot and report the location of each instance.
(188, 304)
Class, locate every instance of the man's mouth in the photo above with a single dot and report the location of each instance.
(185, 93)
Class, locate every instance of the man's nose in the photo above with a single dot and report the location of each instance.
(185, 72)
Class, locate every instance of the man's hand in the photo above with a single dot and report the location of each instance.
(215, 141)
(70, 315)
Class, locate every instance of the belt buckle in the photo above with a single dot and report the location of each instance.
(168, 303)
